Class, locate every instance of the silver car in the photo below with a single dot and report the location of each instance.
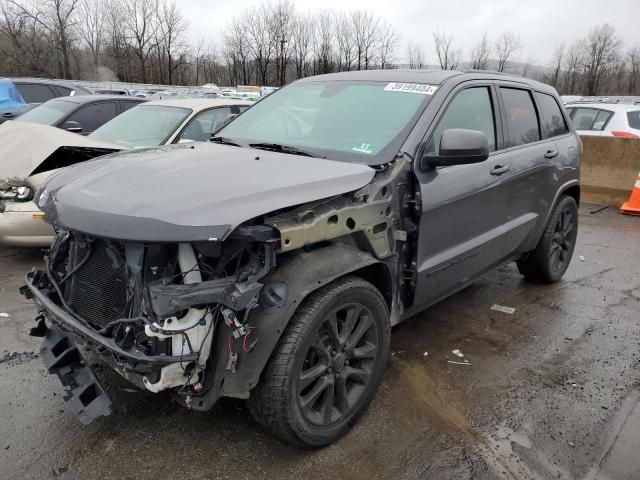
(30, 153)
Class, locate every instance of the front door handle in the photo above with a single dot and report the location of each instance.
(551, 154)
(499, 169)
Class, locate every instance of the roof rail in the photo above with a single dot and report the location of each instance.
(491, 72)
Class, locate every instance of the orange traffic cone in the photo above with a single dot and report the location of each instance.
(632, 206)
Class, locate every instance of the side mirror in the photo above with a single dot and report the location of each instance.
(458, 146)
(72, 126)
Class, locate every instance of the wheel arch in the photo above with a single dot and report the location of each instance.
(571, 189)
(303, 272)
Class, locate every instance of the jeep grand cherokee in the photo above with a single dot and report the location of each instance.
(271, 263)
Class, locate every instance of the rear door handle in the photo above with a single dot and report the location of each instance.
(551, 154)
(500, 169)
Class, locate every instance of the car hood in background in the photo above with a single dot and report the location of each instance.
(25, 146)
(194, 192)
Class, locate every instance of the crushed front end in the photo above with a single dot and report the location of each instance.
(158, 314)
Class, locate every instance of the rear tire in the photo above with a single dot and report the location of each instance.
(327, 366)
(551, 258)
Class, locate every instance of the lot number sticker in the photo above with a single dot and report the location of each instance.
(420, 88)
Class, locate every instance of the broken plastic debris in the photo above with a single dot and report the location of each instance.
(3, 314)
(503, 309)
(466, 362)
(458, 353)
(581, 258)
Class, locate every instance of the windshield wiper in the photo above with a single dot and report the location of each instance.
(278, 147)
(224, 141)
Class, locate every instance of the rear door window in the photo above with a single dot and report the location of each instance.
(35, 92)
(470, 109)
(521, 115)
(93, 116)
(552, 121)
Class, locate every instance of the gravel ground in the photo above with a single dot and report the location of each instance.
(551, 391)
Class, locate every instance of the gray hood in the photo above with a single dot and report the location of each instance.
(24, 146)
(193, 192)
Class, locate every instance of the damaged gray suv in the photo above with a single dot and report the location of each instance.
(271, 263)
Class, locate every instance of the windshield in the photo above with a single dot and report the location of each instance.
(354, 121)
(142, 126)
(48, 113)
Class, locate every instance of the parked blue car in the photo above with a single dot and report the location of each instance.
(12, 104)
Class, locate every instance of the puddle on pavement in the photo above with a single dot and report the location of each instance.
(413, 381)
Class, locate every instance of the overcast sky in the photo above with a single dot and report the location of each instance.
(541, 24)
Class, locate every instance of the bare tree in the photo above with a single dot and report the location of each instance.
(345, 41)
(140, 20)
(169, 39)
(600, 53)
(91, 26)
(365, 33)
(302, 38)
(415, 55)
(25, 42)
(260, 39)
(556, 65)
(447, 55)
(572, 68)
(480, 54)
(237, 52)
(323, 47)
(282, 16)
(116, 45)
(505, 47)
(388, 41)
(633, 59)
(56, 20)
(199, 52)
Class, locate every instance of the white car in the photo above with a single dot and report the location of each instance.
(605, 119)
(30, 153)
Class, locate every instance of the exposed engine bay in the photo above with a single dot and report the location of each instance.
(201, 318)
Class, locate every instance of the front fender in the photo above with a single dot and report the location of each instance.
(302, 272)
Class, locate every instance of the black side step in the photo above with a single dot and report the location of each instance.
(84, 397)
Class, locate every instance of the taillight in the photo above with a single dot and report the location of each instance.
(623, 134)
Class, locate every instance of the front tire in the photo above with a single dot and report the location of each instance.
(551, 258)
(327, 366)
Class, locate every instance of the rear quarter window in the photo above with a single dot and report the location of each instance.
(522, 118)
(552, 121)
(587, 118)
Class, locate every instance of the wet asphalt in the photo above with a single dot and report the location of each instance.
(551, 391)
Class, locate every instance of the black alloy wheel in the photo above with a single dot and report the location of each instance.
(327, 366)
(338, 365)
(551, 257)
(562, 241)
